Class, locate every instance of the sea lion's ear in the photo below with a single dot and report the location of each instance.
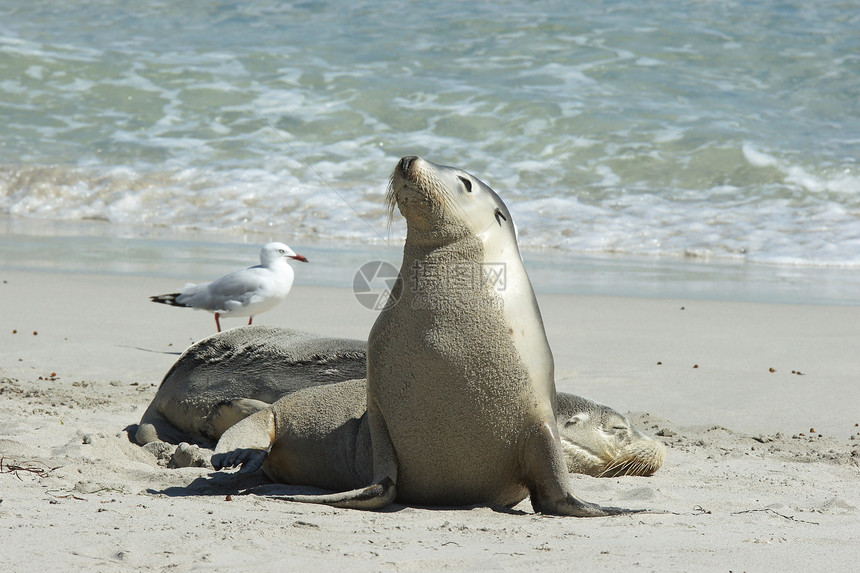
(500, 216)
(576, 419)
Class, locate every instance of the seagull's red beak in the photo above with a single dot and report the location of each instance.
(300, 258)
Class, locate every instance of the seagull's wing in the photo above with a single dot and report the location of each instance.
(240, 288)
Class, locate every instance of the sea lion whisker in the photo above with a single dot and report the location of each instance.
(390, 203)
(620, 466)
(610, 468)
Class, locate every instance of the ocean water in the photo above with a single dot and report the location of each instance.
(687, 131)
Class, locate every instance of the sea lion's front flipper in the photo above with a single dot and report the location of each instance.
(249, 459)
(548, 483)
(247, 443)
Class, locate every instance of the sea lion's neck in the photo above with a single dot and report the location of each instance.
(430, 250)
(439, 235)
(434, 269)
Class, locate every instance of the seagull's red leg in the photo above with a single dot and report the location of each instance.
(217, 322)
(249, 320)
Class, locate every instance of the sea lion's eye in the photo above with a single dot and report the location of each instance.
(466, 183)
(500, 216)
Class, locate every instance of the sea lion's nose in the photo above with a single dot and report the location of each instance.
(406, 163)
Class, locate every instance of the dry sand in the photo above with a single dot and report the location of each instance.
(748, 486)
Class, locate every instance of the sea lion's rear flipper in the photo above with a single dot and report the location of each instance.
(229, 413)
(548, 483)
(383, 489)
(375, 496)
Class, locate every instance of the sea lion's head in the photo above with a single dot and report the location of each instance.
(600, 442)
(443, 204)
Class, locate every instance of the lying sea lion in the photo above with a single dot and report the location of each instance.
(229, 376)
(249, 367)
(320, 435)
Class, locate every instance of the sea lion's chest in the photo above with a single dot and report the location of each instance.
(444, 365)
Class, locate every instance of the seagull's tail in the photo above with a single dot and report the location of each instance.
(168, 299)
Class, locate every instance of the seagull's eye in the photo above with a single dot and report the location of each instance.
(466, 183)
(282, 251)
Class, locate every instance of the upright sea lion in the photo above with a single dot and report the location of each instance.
(226, 377)
(460, 391)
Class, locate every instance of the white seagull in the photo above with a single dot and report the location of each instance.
(247, 292)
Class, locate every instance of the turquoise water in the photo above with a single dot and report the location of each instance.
(691, 131)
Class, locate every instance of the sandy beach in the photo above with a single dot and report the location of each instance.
(757, 405)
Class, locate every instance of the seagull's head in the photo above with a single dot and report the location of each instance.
(274, 251)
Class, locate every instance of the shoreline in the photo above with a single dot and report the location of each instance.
(104, 249)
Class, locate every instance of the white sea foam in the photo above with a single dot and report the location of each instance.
(758, 158)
